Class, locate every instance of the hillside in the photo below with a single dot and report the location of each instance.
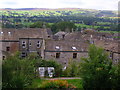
(82, 18)
(66, 11)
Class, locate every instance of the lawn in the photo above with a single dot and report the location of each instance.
(75, 82)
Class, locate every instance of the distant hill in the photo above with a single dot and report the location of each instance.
(71, 11)
(25, 9)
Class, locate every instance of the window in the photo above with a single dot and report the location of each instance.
(63, 36)
(23, 54)
(3, 57)
(57, 55)
(111, 54)
(82, 49)
(74, 55)
(39, 54)
(38, 44)
(30, 44)
(7, 48)
(23, 44)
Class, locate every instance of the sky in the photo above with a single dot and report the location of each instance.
(86, 4)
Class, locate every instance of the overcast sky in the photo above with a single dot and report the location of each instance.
(88, 4)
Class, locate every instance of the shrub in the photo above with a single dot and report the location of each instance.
(56, 84)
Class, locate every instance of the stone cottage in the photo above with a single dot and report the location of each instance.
(67, 46)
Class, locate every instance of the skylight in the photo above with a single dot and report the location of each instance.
(74, 48)
(9, 33)
(1, 32)
(57, 47)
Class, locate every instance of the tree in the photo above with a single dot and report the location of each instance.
(96, 69)
(18, 72)
(116, 77)
(39, 24)
(72, 69)
(63, 26)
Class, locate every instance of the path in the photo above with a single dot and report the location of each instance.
(62, 78)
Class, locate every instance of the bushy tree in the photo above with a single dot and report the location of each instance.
(18, 72)
(116, 77)
(63, 26)
(96, 70)
(72, 69)
(39, 24)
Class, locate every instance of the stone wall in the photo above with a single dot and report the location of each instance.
(65, 56)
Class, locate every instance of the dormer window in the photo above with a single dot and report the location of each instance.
(23, 44)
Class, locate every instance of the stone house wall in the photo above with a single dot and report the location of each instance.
(64, 56)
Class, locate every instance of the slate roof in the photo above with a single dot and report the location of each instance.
(15, 34)
(65, 45)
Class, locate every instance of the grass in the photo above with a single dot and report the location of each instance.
(36, 82)
(75, 82)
